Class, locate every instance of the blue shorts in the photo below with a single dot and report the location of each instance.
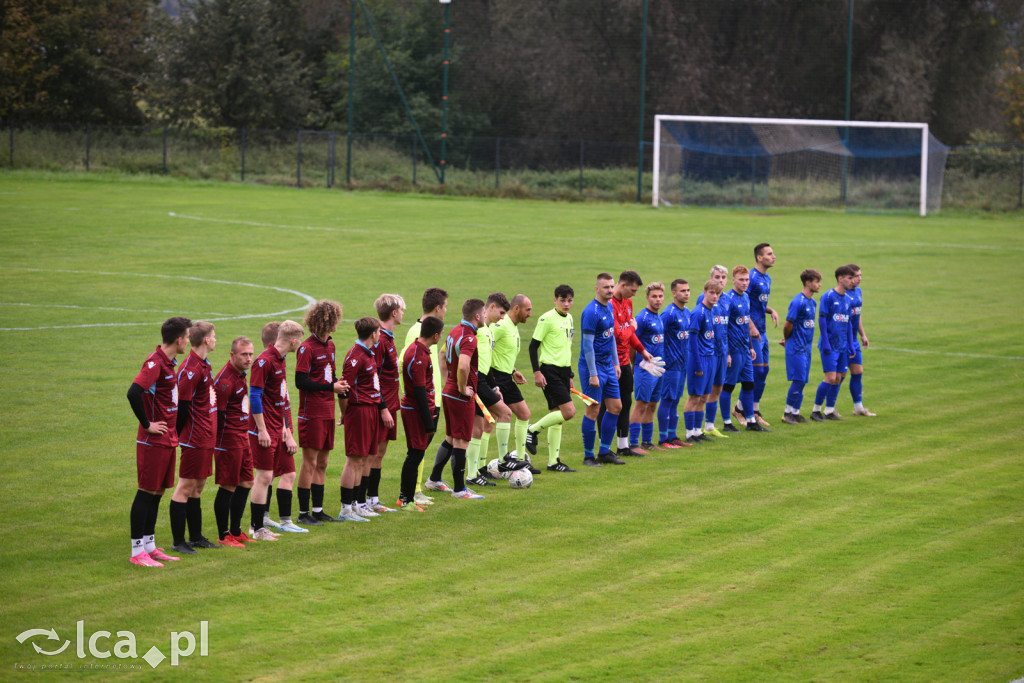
(854, 357)
(835, 361)
(761, 349)
(741, 369)
(700, 374)
(672, 384)
(798, 366)
(609, 382)
(647, 387)
(721, 369)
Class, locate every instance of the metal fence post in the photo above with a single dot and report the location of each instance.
(298, 168)
(1020, 183)
(581, 166)
(88, 143)
(415, 153)
(244, 132)
(165, 149)
(330, 159)
(497, 160)
(12, 144)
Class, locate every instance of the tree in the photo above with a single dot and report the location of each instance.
(1011, 92)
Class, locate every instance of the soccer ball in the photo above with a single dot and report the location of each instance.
(492, 469)
(521, 479)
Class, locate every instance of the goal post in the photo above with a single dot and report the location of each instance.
(858, 165)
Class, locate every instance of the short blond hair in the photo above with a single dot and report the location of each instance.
(387, 304)
(289, 330)
(654, 286)
(712, 286)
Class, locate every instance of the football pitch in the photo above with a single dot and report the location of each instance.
(887, 548)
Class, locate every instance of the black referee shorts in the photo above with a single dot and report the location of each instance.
(486, 393)
(509, 389)
(557, 389)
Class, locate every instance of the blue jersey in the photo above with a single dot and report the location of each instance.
(720, 317)
(701, 332)
(737, 307)
(675, 320)
(801, 317)
(834, 318)
(651, 331)
(856, 301)
(759, 290)
(599, 321)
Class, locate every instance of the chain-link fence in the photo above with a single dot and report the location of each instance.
(986, 177)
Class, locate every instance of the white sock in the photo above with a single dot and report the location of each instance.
(858, 406)
(817, 408)
(318, 509)
(789, 409)
(829, 410)
(373, 500)
(757, 406)
(796, 411)
(727, 419)
(137, 547)
(623, 441)
(150, 543)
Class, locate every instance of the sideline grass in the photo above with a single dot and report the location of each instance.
(885, 549)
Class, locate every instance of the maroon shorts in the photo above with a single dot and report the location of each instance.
(458, 417)
(155, 466)
(362, 429)
(196, 463)
(317, 433)
(391, 434)
(234, 462)
(415, 437)
(262, 458)
(284, 462)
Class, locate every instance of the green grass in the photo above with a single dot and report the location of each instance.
(884, 549)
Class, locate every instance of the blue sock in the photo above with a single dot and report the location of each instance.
(634, 433)
(796, 395)
(664, 420)
(725, 401)
(857, 387)
(747, 400)
(760, 377)
(710, 412)
(819, 397)
(833, 394)
(647, 430)
(688, 420)
(673, 423)
(608, 424)
(589, 428)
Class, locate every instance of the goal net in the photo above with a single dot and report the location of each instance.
(857, 165)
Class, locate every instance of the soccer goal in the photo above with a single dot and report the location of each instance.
(735, 161)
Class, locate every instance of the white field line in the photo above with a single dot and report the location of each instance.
(308, 299)
(947, 353)
(256, 224)
(104, 308)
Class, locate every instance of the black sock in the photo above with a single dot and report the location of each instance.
(361, 491)
(346, 496)
(284, 503)
(194, 515)
(444, 452)
(139, 514)
(318, 495)
(409, 469)
(373, 483)
(256, 515)
(154, 508)
(459, 468)
(178, 512)
(238, 500)
(303, 500)
(222, 511)
(270, 497)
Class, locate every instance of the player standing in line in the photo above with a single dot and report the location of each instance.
(197, 431)
(650, 330)
(284, 457)
(834, 342)
(390, 310)
(458, 399)
(856, 360)
(507, 379)
(419, 411)
(268, 396)
(676, 321)
(759, 291)
(316, 378)
(797, 338)
(365, 416)
(741, 348)
(435, 305)
(720, 316)
(234, 459)
(153, 397)
(626, 342)
(599, 371)
(550, 358)
(701, 362)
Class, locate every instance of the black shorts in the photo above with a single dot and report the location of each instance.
(509, 389)
(486, 393)
(558, 381)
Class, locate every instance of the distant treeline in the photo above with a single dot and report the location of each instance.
(559, 69)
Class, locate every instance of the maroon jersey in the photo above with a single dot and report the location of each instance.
(387, 368)
(195, 384)
(316, 359)
(418, 370)
(233, 400)
(270, 374)
(461, 342)
(160, 398)
(360, 371)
